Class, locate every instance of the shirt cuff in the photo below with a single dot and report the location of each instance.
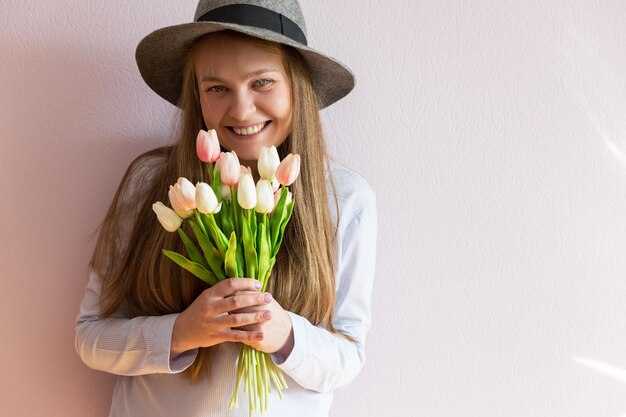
(300, 345)
(163, 345)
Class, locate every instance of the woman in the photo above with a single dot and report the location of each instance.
(245, 71)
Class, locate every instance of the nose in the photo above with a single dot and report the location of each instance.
(242, 106)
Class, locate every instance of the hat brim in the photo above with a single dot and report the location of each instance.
(161, 58)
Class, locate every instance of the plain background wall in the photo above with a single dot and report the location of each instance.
(494, 133)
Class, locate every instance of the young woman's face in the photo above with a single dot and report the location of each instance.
(245, 94)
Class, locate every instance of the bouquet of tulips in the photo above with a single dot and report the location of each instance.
(239, 228)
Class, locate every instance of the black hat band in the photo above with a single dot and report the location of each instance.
(260, 17)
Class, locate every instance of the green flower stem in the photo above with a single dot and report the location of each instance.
(235, 209)
(198, 217)
(249, 252)
(257, 372)
(216, 184)
(263, 252)
(210, 166)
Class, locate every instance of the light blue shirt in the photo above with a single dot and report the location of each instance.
(150, 385)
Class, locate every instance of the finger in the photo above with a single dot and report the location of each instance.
(240, 301)
(243, 292)
(242, 336)
(242, 320)
(249, 328)
(252, 309)
(231, 286)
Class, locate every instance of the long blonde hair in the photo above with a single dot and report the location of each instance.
(138, 280)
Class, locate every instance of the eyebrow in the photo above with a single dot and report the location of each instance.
(246, 76)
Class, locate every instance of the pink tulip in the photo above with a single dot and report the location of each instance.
(207, 146)
(229, 167)
(183, 197)
(288, 169)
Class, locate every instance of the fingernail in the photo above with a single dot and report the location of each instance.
(267, 315)
(259, 336)
(258, 285)
(267, 297)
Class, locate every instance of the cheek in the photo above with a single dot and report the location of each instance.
(281, 105)
(210, 113)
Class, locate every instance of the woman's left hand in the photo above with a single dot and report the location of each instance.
(277, 331)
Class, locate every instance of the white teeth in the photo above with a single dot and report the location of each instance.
(250, 130)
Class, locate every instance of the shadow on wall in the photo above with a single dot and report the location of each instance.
(68, 137)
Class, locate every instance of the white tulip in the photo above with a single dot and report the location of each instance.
(268, 162)
(246, 192)
(264, 197)
(167, 217)
(206, 201)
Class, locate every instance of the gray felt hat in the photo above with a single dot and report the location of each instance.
(161, 55)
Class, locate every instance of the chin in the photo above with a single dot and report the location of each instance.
(249, 153)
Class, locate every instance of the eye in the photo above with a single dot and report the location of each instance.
(266, 82)
(215, 89)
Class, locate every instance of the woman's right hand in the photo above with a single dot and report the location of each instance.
(213, 318)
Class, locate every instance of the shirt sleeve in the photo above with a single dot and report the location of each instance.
(124, 346)
(322, 361)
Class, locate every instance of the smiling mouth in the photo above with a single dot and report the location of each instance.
(251, 130)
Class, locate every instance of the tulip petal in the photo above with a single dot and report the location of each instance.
(289, 169)
(167, 217)
(246, 193)
(264, 197)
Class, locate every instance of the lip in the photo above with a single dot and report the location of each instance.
(256, 135)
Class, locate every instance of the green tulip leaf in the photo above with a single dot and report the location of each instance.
(193, 267)
(192, 251)
(212, 255)
(281, 232)
(230, 261)
(241, 263)
(216, 184)
(220, 239)
(264, 252)
(249, 251)
(278, 215)
(227, 223)
(253, 220)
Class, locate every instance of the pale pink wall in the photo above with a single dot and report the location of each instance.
(493, 132)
